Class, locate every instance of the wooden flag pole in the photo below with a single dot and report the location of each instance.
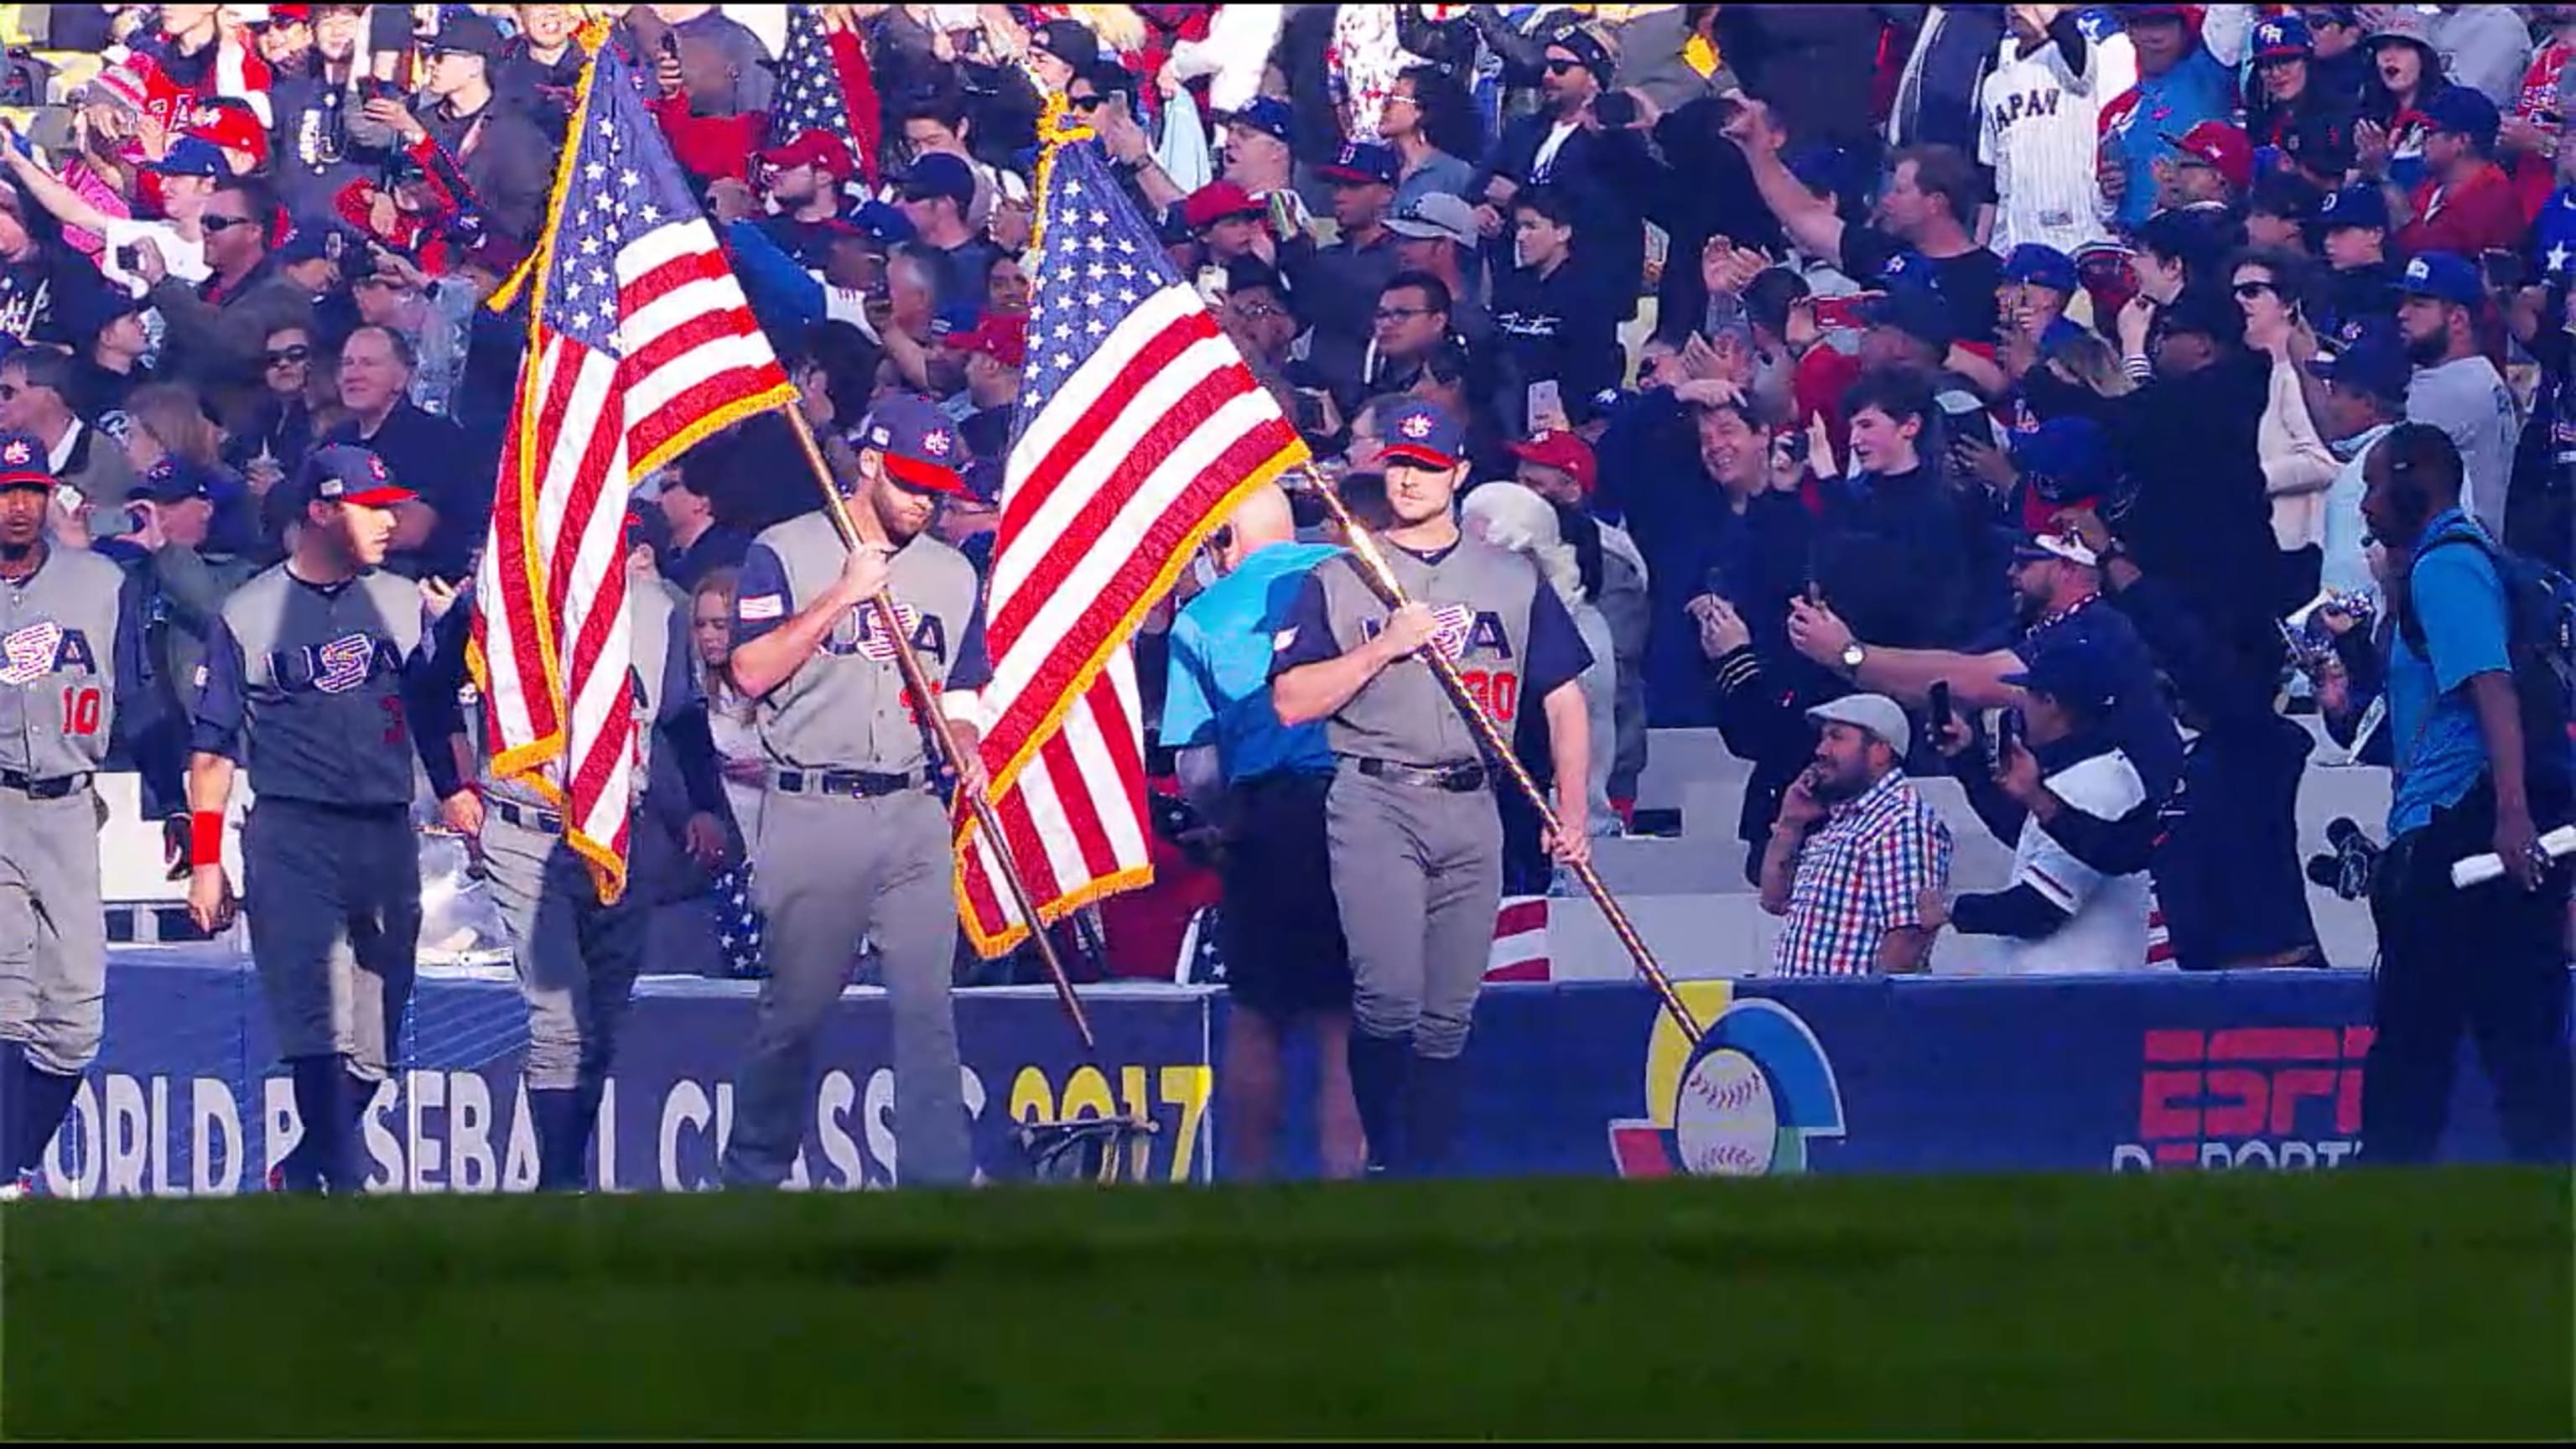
(856, 535)
(1374, 564)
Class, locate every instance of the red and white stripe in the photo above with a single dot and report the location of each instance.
(1520, 942)
(550, 623)
(1108, 489)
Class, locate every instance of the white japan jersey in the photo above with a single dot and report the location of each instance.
(2038, 128)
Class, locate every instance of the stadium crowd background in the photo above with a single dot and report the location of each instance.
(1833, 349)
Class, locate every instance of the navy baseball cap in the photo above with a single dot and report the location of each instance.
(1267, 114)
(939, 174)
(2464, 110)
(2373, 361)
(2044, 543)
(315, 239)
(1422, 433)
(2074, 672)
(25, 462)
(1914, 309)
(347, 473)
(2321, 142)
(2447, 276)
(2360, 204)
(170, 481)
(2283, 37)
(1362, 163)
(2046, 266)
(919, 443)
(190, 156)
(2065, 460)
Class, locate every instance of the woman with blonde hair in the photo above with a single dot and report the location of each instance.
(167, 420)
(1513, 517)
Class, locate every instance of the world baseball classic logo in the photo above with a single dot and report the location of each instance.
(1745, 1100)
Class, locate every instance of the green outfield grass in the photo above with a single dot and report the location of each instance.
(2347, 1304)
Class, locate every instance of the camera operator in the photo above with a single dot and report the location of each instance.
(2476, 770)
(1261, 785)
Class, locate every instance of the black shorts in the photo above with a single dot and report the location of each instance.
(1282, 929)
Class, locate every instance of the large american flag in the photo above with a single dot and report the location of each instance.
(823, 85)
(1139, 428)
(641, 343)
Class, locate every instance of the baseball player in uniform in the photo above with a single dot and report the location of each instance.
(1415, 842)
(853, 841)
(315, 673)
(68, 655)
(578, 958)
(2039, 129)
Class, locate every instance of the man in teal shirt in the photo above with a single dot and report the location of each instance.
(2180, 84)
(1262, 784)
(2490, 958)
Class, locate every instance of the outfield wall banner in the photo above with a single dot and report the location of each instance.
(2136, 1073)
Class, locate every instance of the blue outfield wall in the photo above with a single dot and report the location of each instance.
(2166, 1071)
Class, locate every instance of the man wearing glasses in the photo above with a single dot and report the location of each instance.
(1597, 158)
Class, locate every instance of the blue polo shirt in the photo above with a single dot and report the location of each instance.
(2433, 724)
(1219, 689)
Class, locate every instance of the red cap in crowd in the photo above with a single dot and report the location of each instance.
(1215, 202)
(814, 148)
(234, 127)
(1002, 337)
(2221, 146)
(1565, 452)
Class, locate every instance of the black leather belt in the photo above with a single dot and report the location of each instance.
(544, 822)
(1458, 778)
(36, 789)
(863, 784)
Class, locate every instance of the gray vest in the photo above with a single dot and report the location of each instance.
(661, 679)
(322, 703)
(844, 708)
(58, 665)
(1483, 596)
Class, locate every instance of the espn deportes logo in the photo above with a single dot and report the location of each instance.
(2259, 1096)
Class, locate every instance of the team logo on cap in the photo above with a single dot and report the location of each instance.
(17, 454)
(878, 436)
(2417, 271)
(30, 651)
(1416, 427)
(375, 467)
(2270, 32)
(936, 443)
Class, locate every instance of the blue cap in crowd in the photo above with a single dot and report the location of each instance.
(190, 156)
(939, 174)
(1267, 114)
(2283, 37)
(347, 473)
(2372, 361)
(920, 444)
(25, 462)
(2065, 460)
(2034, 263)
(1362, 163)
(2466, 111)
(2073, 671)
(1913, 308)
(171, 480)
(1422, 433)
(2447, 276)
(2360, 204)
(316, 239)
(2045, 543)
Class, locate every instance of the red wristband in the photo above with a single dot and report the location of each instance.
(206, 837)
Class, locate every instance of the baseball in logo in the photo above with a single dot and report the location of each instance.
(30, 652)
(1745, 1100)
(873, 642)
(342, 665)
(1416, 427)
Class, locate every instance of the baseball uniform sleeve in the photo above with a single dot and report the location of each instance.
(974, 667)
(431, 696)
(762, 599)
(2105, 787)
(216, 720)
(1308, 638)
(1557, 653)
(1189, 709)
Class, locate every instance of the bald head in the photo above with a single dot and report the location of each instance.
(1260, 520)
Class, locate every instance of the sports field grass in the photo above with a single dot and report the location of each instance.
(2325, 1305)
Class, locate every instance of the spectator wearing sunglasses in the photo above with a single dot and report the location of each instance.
(1601, 170)
(279, 431)
(217, 332)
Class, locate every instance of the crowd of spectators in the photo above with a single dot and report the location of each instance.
(2028, 355)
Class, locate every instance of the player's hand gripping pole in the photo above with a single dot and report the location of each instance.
(856, 534)
(1383, 578)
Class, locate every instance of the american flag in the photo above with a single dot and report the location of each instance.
(1139, 427)
(823, 85)
(641, 343)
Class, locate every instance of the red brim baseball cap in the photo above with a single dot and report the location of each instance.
(929, 477)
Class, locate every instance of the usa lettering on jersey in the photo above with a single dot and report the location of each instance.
(337, 667)
(862, 632)
(1457, 632)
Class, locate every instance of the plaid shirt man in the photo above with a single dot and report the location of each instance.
(1861, 875)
